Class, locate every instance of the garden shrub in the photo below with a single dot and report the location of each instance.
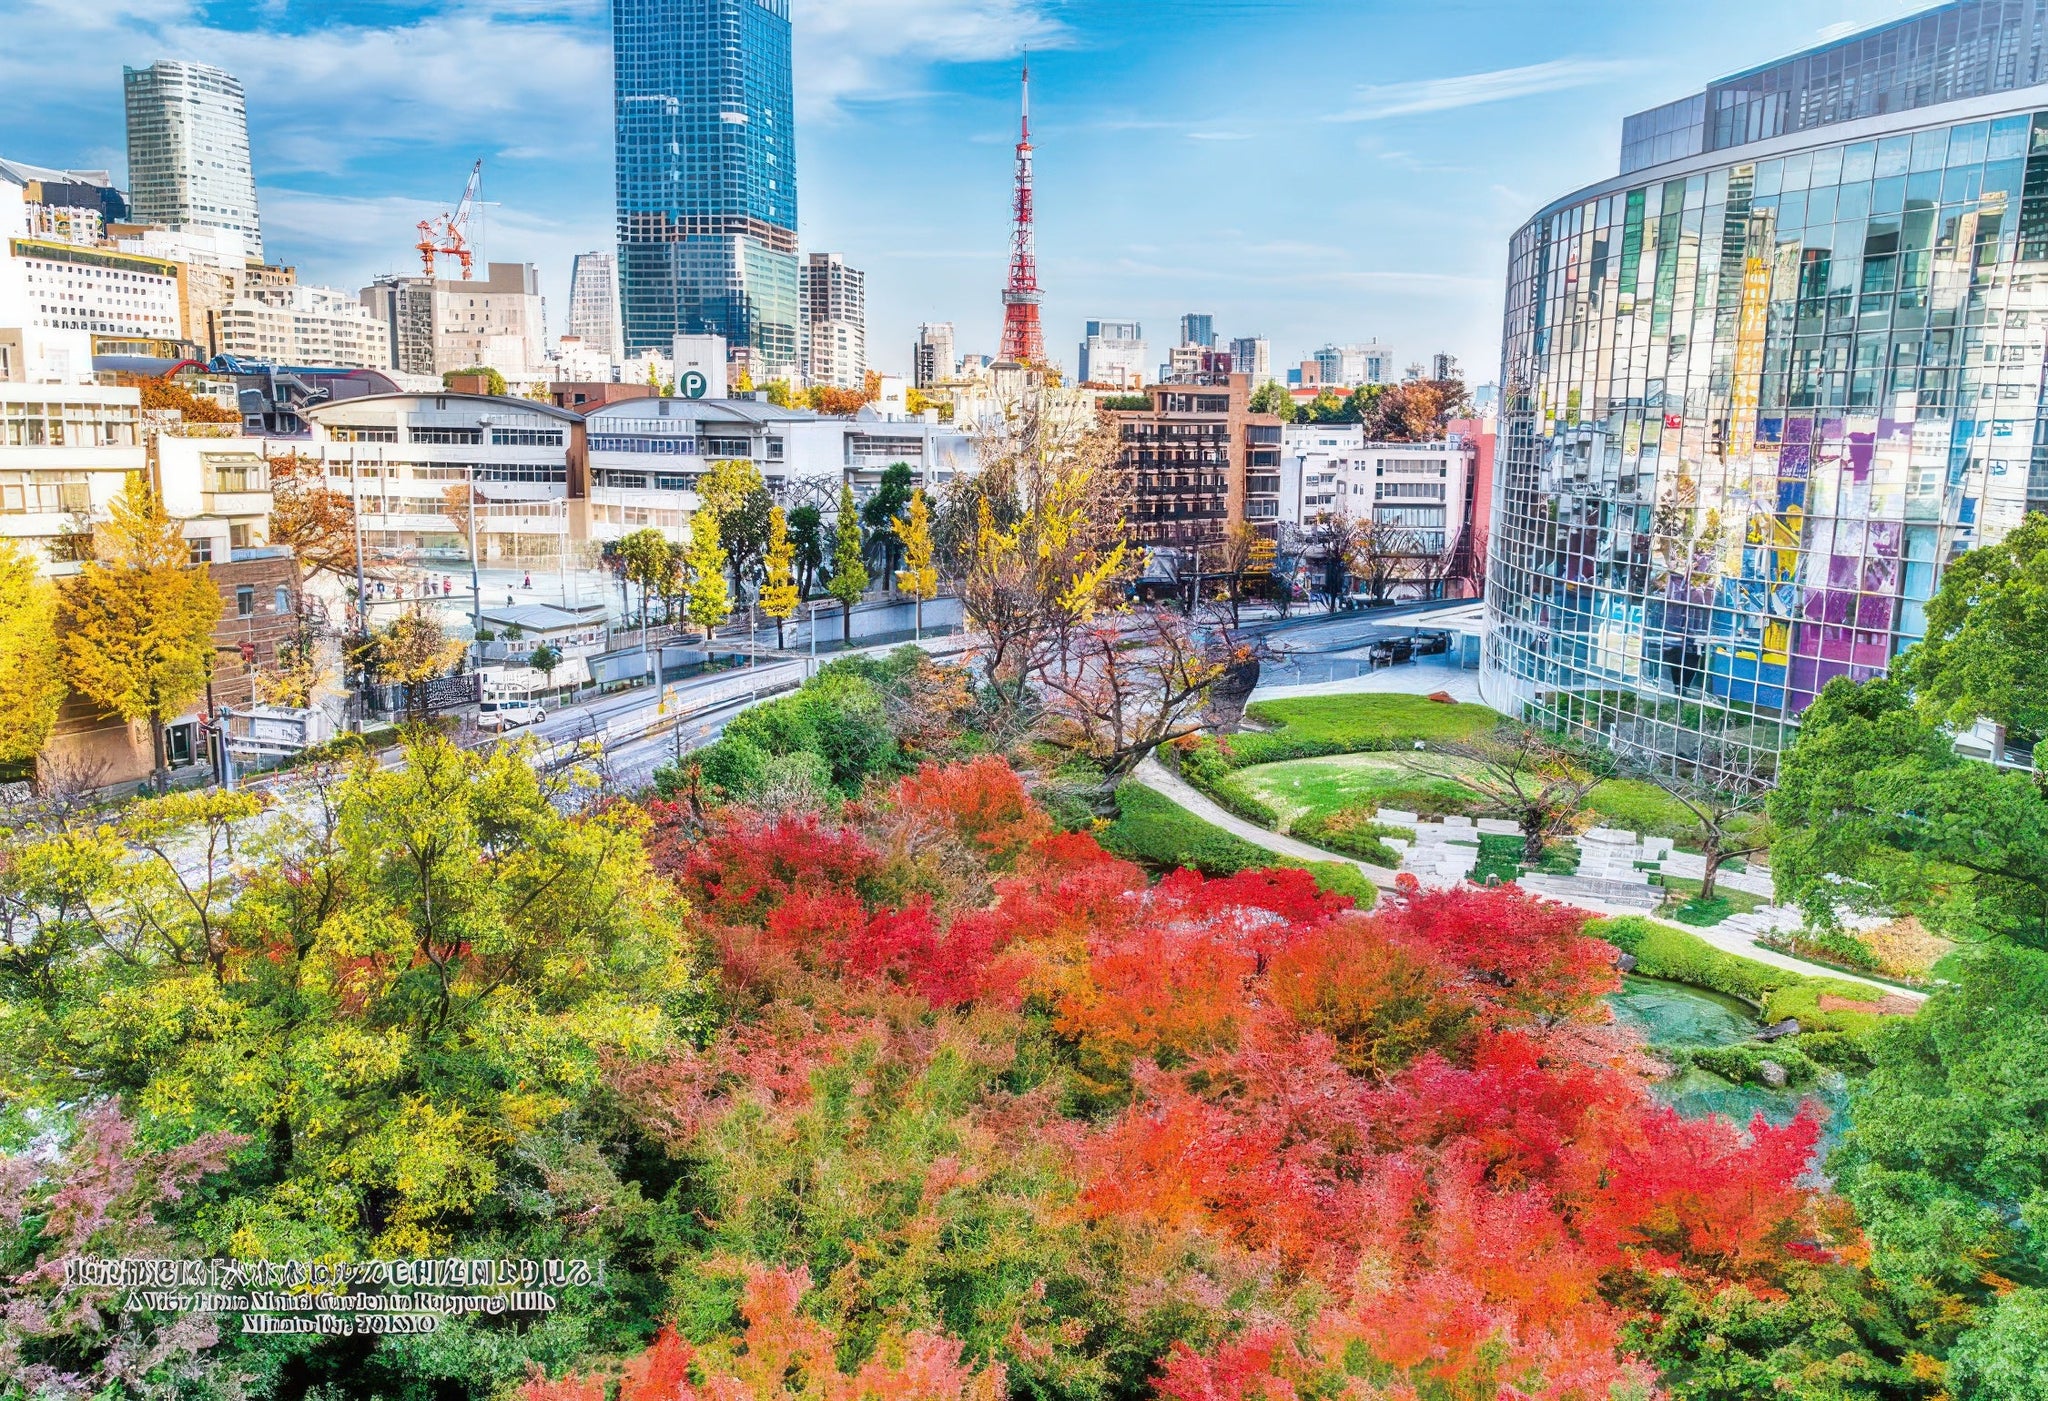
(1153, 830)
(1743, 1064)
(1354, 832)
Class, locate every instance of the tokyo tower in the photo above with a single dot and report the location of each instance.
(1023, 337)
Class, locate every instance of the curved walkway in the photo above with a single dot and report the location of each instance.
(1160, 779)
(1156, 776)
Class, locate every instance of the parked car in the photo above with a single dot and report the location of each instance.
(508, 713)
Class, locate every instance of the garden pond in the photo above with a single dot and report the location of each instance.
(1675, 1017)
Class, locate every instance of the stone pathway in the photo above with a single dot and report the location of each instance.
(1444, 853)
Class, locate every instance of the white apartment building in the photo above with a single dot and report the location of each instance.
(1114, 353)
(835, 321)
(875, 441)
(188, 151)
(298, 325)
(1416, 488)
(397, 455)
(594, 304)
(432, 326)
(47, 282)
(66, 451)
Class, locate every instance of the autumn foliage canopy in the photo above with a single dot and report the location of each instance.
(993, 1111)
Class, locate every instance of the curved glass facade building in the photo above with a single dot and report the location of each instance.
(1760, 388)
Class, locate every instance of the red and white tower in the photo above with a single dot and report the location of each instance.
(1023, 337)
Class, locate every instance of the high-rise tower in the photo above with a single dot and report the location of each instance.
(707, 175)
(594, 303)
(1023, 338)
(188, 151)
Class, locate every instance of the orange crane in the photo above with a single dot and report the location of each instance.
(449, 233)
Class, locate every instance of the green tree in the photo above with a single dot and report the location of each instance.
(734, 491)
(807, 539)
(493, 381)
(1327, 408)
(1986, 653)
(709, 603)
(138, 621)
(1362, 403)
(545, 659)
(1944, 1159)
(1876, 812)
(878, 514)
(779, 393)
(849, 569)
(646, 559)
(1272, 397)
(414, 987)
(778, 584)
(31, 674)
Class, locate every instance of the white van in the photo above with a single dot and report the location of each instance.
(508, 712)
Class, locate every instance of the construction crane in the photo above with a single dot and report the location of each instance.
(449, 233)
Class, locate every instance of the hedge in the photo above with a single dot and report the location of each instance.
(1663, 952)
(1155, 831)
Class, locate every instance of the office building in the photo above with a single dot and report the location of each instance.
(835, 322)
(1354, 366)
(432, 326)
(1758, 390)
(188, 151)
(1198, 328)
(706, 165)
(1443, 366)
(935, 355)
(397, 455)
(1252, 355)
(1200, 461)
(594, 304)
(1114, 353)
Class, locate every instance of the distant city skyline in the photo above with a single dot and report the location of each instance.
(1312, 202)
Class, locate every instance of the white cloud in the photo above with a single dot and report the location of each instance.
(1374, 103)
(1219, 136)
(863, 50)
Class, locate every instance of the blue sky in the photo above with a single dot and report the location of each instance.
(1312, 172)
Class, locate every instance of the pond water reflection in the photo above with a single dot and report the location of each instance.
(1672, 1016)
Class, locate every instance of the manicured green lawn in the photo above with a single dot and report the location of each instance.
(1373, 721)
(1153, 830)
(1319, 787)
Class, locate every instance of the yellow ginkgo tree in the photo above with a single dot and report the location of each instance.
(138, 620)
(31, 676)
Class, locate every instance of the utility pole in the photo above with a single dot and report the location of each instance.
(355, 511)
(476, 584)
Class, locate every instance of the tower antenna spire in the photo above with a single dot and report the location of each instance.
(1023, 337)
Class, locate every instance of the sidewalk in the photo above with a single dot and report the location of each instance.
(1154, 775)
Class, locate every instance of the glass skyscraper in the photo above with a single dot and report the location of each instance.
(707, 174)
(1759, 390)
